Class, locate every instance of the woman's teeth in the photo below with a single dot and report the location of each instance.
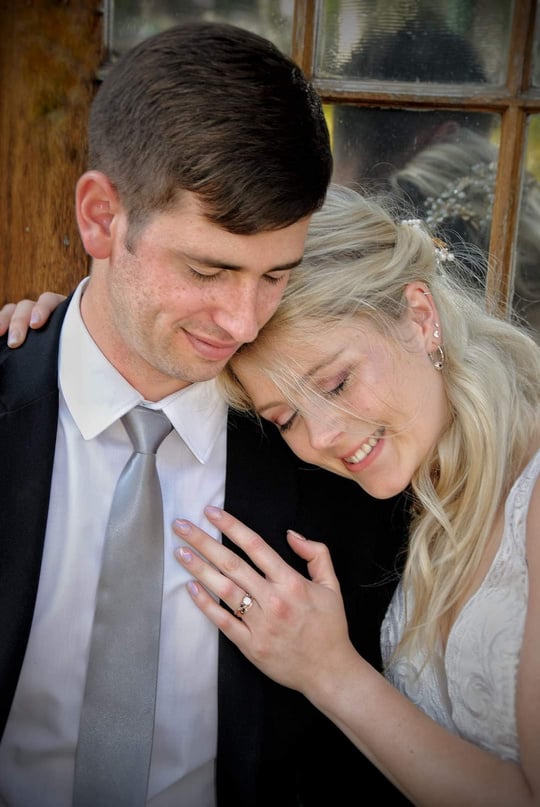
(366, 448)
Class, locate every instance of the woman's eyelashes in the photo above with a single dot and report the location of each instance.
(284, 427)
(330, 387)
(339, 387)
(336, 388)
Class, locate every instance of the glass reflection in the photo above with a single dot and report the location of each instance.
(526, 301)
(536, 50)
(131, 21)
(439, 166)
(417, 40)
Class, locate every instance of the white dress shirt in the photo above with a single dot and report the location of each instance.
(38, 749)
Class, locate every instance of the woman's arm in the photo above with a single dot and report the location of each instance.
(16, 318)
(296, 632)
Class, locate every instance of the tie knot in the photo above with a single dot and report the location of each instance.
(147, 428)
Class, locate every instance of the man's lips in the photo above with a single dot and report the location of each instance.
(211, 348)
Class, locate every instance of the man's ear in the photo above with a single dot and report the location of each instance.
(97, 204)
(423, 315)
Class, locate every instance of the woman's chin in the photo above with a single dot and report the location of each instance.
(383, 490)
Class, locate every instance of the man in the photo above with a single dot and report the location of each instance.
(208, 153)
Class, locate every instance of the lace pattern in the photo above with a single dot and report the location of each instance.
(471, 689)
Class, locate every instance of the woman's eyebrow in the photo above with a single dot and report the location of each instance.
(322, 364)
(269, 406)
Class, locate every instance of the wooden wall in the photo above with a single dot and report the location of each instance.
(50, 53)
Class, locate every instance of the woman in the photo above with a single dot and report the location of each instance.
(380, 367)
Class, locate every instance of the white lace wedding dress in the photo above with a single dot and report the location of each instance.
(471, 689)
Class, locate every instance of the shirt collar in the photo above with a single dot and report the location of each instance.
(97, 395)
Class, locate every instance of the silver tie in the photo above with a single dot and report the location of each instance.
(117, 719)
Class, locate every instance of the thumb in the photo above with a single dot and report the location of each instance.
(320, 567)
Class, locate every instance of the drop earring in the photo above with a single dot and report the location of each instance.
(437, 357)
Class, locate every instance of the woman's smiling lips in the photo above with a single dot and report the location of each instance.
(212, 350)
(365, 450)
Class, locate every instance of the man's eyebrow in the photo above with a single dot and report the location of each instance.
(306, 377)
(212, 263)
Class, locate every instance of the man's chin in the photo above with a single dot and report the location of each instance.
(206, 371)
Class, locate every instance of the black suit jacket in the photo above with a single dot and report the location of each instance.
(273, 747)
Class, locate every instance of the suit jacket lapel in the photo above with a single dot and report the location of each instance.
(28, 424)
(260, 490)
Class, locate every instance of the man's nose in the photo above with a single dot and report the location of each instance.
(238, 313)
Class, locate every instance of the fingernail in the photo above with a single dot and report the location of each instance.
(213, 512)
(14, 338)
(296, 535)
(35, 318)
(193, 588)
(183, 553)
(182, 526)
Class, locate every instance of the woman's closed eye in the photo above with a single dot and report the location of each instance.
(333, 385)
(338, 389)
(284, 426)
(285, 421)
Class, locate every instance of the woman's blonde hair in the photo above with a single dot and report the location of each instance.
(358, 261)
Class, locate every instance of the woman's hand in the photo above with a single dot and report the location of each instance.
(16, 318)
(293, 629)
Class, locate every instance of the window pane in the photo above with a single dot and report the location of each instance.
(134, 20)
(527, 272)
(436, 165)
(448, 41)
(536, 52)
